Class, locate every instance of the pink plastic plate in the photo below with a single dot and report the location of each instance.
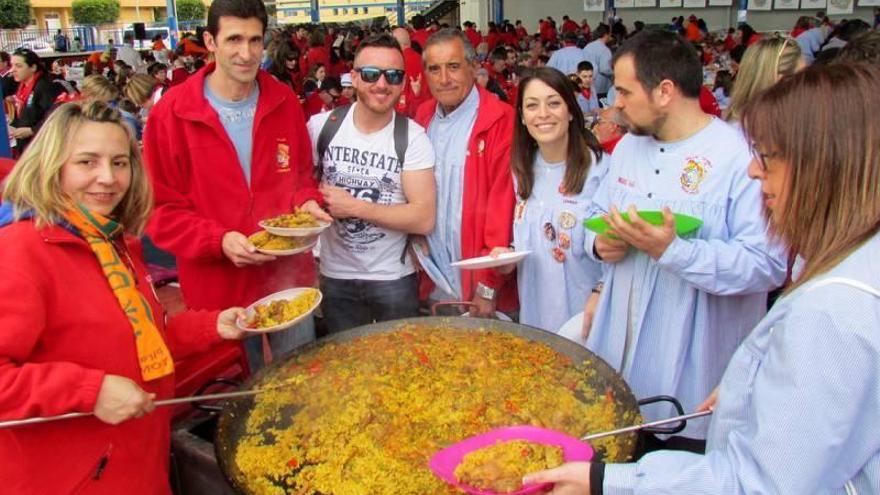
(444, 462)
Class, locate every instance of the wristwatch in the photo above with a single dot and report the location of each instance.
(485, 292)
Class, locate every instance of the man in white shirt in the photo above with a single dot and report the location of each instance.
(129, 55)
(567, 58)
(598, 54)
(376, 200)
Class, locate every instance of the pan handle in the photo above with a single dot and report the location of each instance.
(209, 408)
(665, 430)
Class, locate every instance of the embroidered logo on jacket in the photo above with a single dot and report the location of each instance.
(282, 156)
(693, 174)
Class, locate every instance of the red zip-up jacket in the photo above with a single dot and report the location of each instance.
(62, 331)
(201, 192)
(487, 205)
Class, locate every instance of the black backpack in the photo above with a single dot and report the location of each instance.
(334, 121)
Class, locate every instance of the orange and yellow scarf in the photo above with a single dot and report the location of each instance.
(99, 232)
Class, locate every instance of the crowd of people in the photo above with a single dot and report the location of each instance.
(424, 145)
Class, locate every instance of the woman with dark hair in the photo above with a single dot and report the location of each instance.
(797, 409)
(747, 35)
(33, 99)
(285, 65)
(555, 162)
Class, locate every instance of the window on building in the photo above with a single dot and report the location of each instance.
(336, 11)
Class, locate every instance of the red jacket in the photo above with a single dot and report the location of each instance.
(420, 36)
(201, 192)
(62, 331)
(474, 37)
(487, 206)
(318, 55)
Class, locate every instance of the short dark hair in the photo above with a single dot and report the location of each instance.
(30, 57)
(570, 37)
(4, 57)
(331, 82)
(601, 30)
(585, 65)
(499, 54)
(383, 40)
(243, 9)
(659, 55)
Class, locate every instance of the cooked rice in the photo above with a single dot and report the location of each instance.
(500, 467)
(365, 416)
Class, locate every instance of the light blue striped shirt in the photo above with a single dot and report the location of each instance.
(450, 135)
(556, 278)
(798, 409)
(598, 54)
(671, 325)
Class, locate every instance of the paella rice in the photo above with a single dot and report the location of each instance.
(296, 220)
(265, 240)
(501, 467)
(366, 415)
(282, 310)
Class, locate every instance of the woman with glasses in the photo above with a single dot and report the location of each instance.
(556, 170)
(763, 64)
(81, 329)
(798, 408)
(285, 65)
(34, 98)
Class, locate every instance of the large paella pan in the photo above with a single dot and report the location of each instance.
(364, 410)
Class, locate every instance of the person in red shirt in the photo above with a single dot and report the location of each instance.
(692, 30)
(325, 98)
(568, 25)
(419, 34)
(493, 38)
(708, 102)
(472, 34)
(301, 38)
(585, 29)
(227, 149)
(521, 32)
(317, 52)
(412, 95)
(508, 36)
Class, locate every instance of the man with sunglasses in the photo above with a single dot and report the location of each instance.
(377, 196)
(474, 130)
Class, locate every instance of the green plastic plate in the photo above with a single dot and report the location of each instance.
(684, 224)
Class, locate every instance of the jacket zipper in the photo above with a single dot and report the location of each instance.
(95, 473)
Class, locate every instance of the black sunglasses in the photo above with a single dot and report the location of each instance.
(372, 74)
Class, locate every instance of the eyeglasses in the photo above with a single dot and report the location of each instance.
(760, 158)
(372, 74)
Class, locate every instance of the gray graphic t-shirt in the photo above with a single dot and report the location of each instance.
(366, 166)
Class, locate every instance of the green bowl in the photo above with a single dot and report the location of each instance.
(684, 224)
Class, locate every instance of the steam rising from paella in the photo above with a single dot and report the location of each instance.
(363, 417)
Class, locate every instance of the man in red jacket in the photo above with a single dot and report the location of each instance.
(227, 149)
(473, 133)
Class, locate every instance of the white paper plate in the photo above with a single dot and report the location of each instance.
(498, 315)
(490, 262)
(284, 294)
(289, 252)
(572, 329)
(295, 232)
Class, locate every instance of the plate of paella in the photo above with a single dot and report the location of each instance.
(296, 224)
(279, 245)
(280, 310)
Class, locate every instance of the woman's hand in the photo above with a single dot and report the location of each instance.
(572, 478)
(505, 269)
(121, 399)
(709, 403)
(226, 327)
(589, 313)
(21, 132)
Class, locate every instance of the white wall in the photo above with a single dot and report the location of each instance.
(529, 11)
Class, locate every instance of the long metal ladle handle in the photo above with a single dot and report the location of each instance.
(158, 403)
(652, 424)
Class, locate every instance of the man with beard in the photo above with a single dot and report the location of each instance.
(674, 308)
(376, 197)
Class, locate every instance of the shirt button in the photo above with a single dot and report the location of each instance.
(657, 171)
(662, 150)
(650, 195)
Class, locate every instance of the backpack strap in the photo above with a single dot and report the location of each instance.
(401, 136)
(331, 127)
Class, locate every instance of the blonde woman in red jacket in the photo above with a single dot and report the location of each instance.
(80, 327)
